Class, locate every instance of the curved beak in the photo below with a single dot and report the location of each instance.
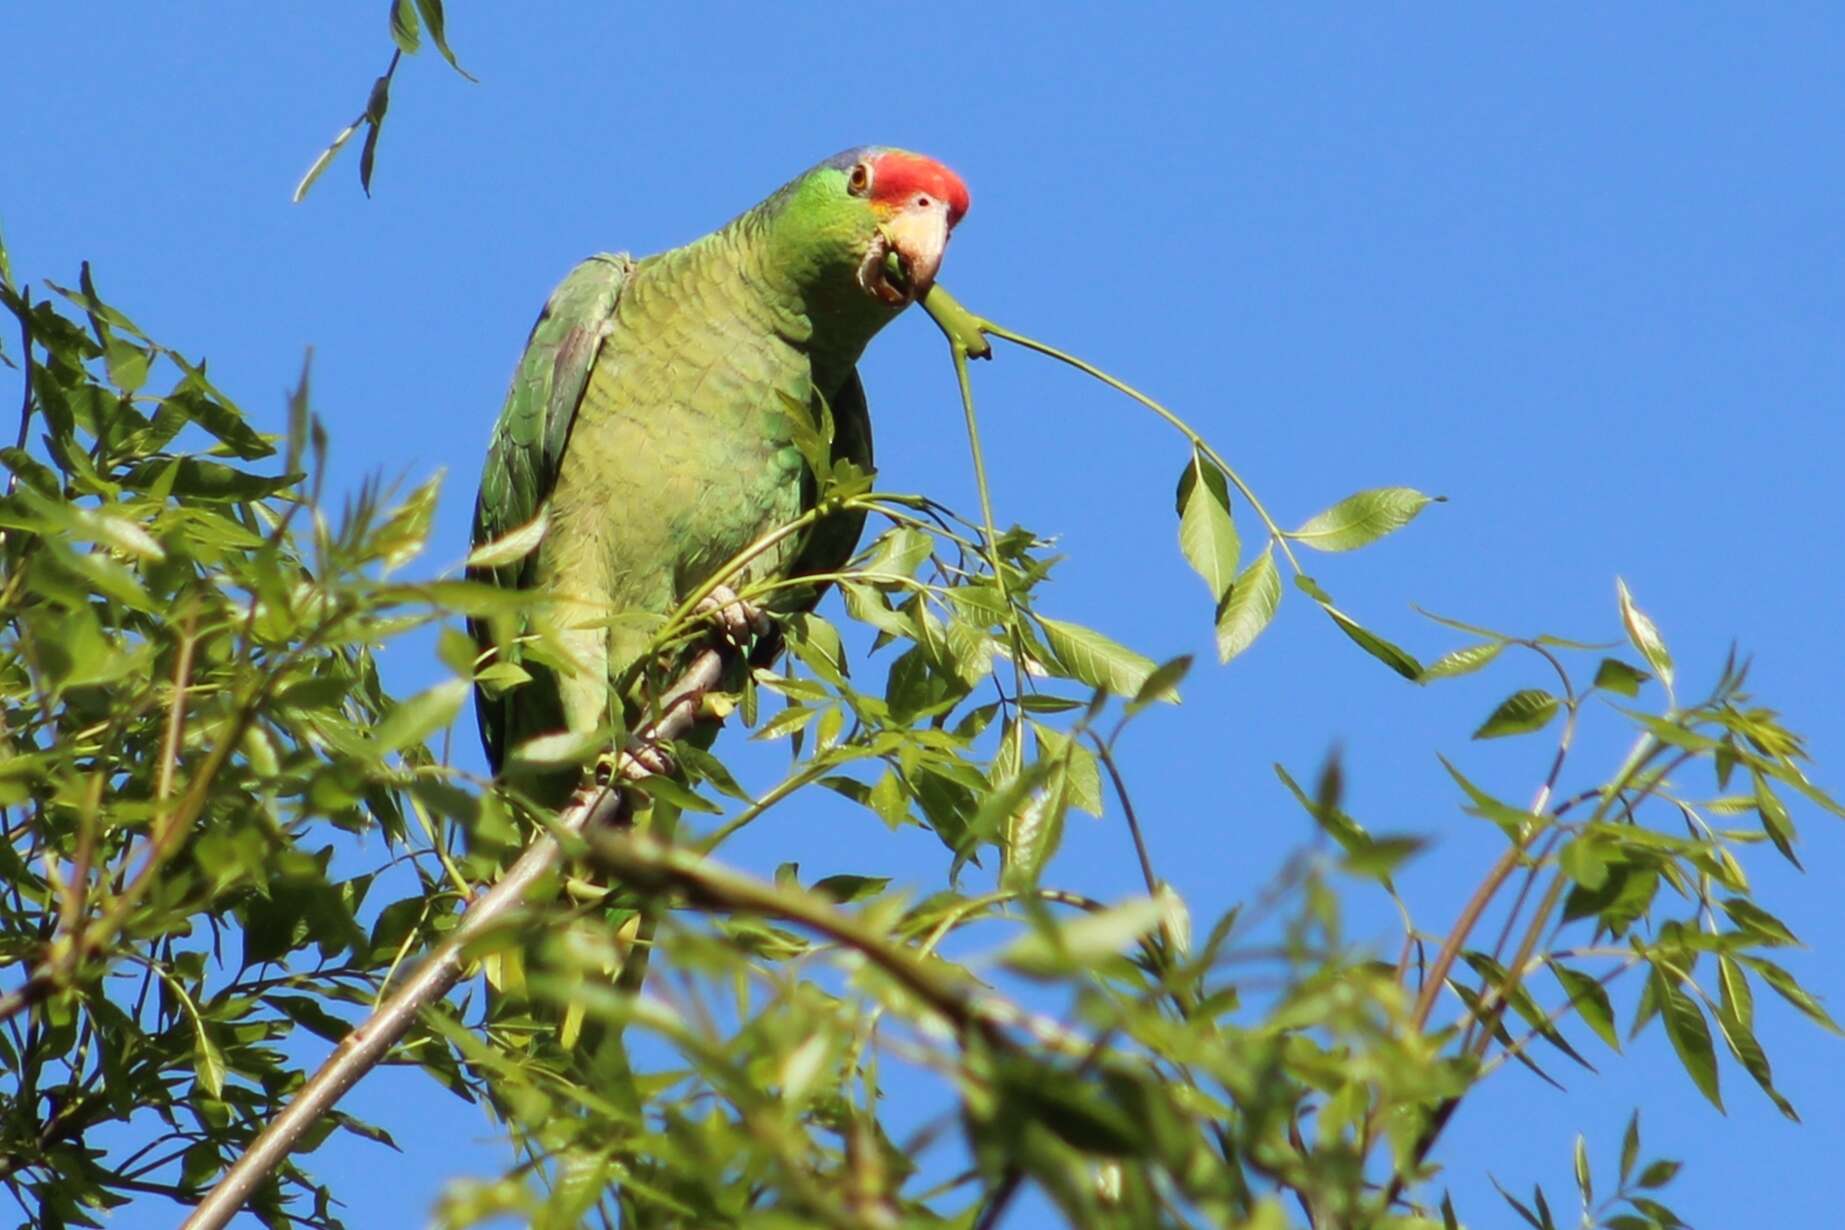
(918, 234)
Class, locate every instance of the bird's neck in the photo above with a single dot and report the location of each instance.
(820, 308)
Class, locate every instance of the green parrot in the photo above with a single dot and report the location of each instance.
(646, 422)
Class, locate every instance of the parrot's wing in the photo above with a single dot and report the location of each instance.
(527, 448)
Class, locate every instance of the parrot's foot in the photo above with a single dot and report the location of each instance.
(738, 620)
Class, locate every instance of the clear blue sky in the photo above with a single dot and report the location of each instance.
(1581, 270)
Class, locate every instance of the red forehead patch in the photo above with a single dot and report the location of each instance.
(897, 174)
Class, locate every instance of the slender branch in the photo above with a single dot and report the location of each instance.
(363, 1048)
(646, 862)
(1107, 756)
(1001, 1198)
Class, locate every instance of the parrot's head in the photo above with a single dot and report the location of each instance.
(880, 216)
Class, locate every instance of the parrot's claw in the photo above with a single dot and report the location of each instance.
(738, 620)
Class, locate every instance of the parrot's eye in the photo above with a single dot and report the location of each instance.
(858, 183)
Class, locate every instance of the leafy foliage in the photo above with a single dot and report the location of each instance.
(194, 725)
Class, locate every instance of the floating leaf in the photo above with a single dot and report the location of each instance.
(1361, 519)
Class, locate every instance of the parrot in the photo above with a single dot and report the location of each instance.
(646, 432)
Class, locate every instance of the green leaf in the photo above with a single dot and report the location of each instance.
(208, 1060)
(1519, 714)
(310, 1015)
(661, 788)
(1462, 661)
(422, 715)
(127, 364)
(1096, 660)
(1085, 940)
(1361, 519)
(1513, 821)
(1644, 634)
(1207, 534)
(1082, 773)
(811, 433)
(1630, 1146)
(1518, 1206)
(1659, 1173)
(433, 19)
(1616, 676)
(1589, 999)
(374, 127)
(1741, 1040)
(1162, 684)
(1758, 922)
(1735, 997)
(845, 889)
(1584, 861)
(1493, 976)
(1585, 1184)
(197, 400)
(320, 164)
(1384, 651)
(1776, 821)
(404, 26)
(890, 800)
(1785, 985)
(515, 544)
(1688, 1033)
(1249, 607)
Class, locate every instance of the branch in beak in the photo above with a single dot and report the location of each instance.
(919, 236)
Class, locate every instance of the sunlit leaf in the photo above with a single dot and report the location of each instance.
(1644, 634)
(1207, 535)
(1462, 661)
(1361, 519)
(1250, 606)
(1096, 660)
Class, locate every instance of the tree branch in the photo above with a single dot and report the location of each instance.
(362, 1049)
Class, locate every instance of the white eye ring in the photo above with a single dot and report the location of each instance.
(858, 183)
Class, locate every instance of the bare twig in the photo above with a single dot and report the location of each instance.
(362, 1049)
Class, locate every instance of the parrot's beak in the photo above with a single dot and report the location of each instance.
(918, 234)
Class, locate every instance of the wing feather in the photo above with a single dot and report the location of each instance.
(527, 448)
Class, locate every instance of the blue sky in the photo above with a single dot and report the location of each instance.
(1582, 271)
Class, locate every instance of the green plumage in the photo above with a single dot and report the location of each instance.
(646, 419)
